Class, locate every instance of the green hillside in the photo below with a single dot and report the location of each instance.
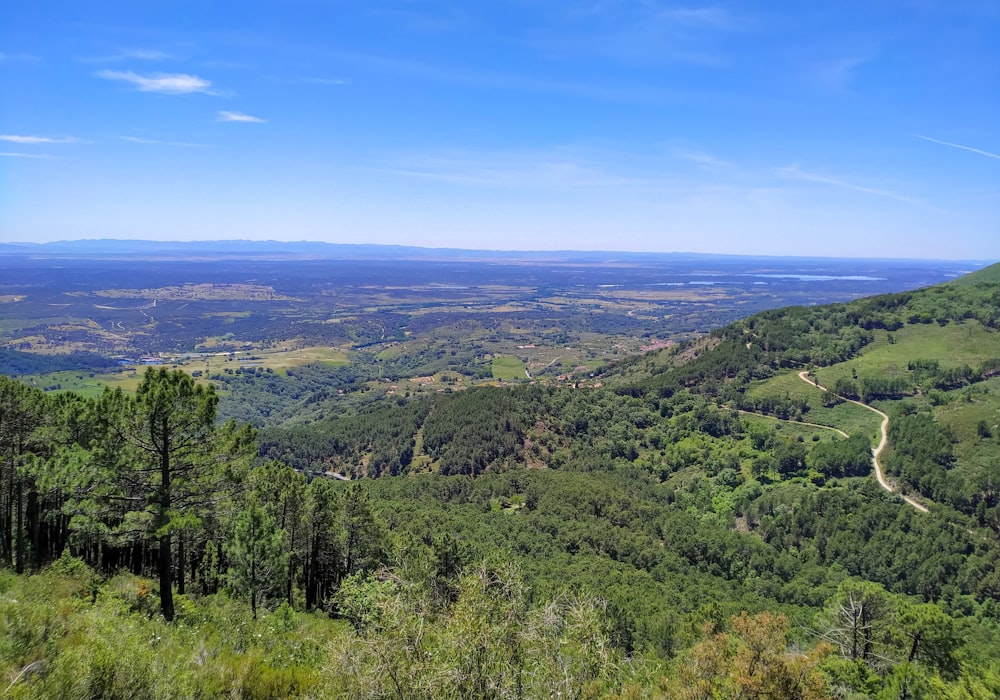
(987, 275)
(706, 523)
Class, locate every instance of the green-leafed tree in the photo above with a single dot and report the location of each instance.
(22, 413)
(258, 555)
(322, 552)
(282, 491)
(163, 464)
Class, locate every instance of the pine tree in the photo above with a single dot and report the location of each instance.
(258, 555)
(164, 464)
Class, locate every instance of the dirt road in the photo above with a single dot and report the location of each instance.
(881, 444)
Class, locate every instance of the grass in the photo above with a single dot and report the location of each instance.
(507, 368)
(987, 275)
(974, 453)
(849, 417)
(330, 357)
(92, 385)
(953, 345)
(788, 429)
(963, 410)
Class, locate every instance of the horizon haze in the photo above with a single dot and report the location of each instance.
(737, 127)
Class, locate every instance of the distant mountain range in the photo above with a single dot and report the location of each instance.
(291, 250)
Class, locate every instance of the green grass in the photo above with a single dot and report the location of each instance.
(849, 417)
(507, 368)
(92, 385)
(952, 346)
(956, 344)
(83, 383)
(987, 275)
(789, 429)
(974, 453)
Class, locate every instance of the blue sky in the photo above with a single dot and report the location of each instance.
(799, 127)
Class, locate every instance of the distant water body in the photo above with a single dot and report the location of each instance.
(823, 278)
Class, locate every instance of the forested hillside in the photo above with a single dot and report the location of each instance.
(704, 524)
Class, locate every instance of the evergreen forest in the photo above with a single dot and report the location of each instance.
(702, 521)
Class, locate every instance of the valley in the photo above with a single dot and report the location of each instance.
(368, 484)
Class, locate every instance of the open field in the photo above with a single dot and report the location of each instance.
(506, 368)
(956, 344)
(789, 430)
(973, 416)
(850, 418)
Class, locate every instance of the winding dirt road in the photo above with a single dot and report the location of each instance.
(878, 450)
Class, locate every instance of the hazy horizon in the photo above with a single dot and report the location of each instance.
(732, 127)
(453, 250)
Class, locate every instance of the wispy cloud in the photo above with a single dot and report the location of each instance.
(558, 169)
(708, 17)
(838, 74)
(44, 156)
(238, 117)
(146, 54)
(793, 172)
(647, 32)
(715, 17)
(325, 81)
(131, 54)
(32, 140)
(165, 83)
(957, 145)
(703, 160)
(454, 74)
(156, 142)
(17, 57)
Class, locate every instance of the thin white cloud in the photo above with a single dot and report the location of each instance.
(32, 140)
(463, 75)
(838, 74)
(12, 57)
(130, 54)
(645, 32)
(325, 81)
(793, 172)
(44, 156)
(145, 54)
(558, 169)
(238, 117)
(156, 142)
(956, 145)
(165, 83)
(716, 17)
(705, 161)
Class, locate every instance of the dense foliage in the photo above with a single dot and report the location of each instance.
(643, 539)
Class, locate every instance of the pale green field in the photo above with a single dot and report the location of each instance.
(952, 346)
(848, 417)
(789, 429)
(128, 379)
(974, 452)
(507, 368)
(82, 383)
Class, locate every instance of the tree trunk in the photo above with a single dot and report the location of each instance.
(165, 558)
(34, 528)
(180, 562)
(19, 507)
(166, 578)
(8, 517)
